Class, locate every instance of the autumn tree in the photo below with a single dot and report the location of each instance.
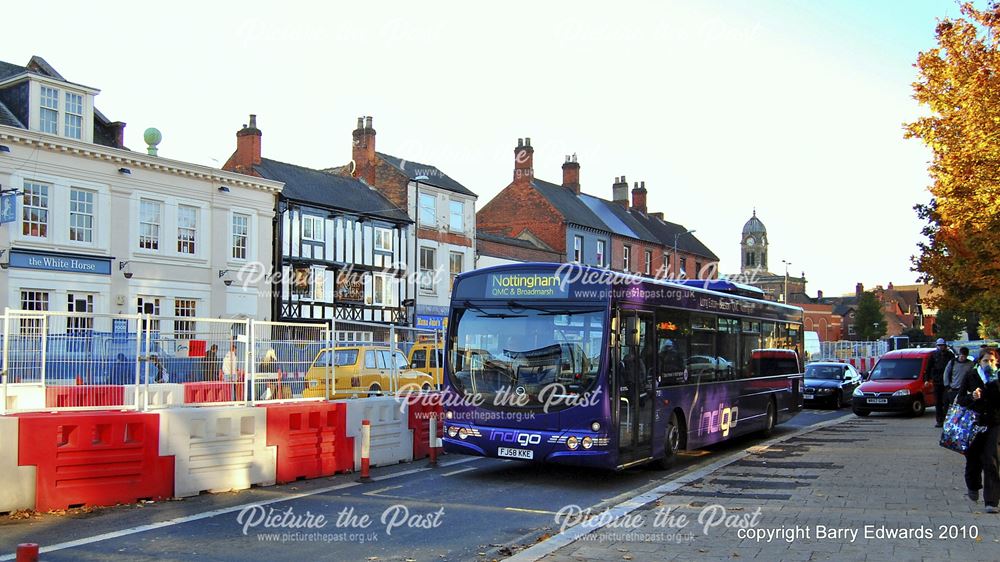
(948, 324)
(959, 83)
(869, 322)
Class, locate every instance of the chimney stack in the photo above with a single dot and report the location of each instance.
(858, 289)
(363, 152)
(619, 191)
(118, 128)
(524, 161)
(819, 294)
(639, 197)
(571, 174)
(247, 153)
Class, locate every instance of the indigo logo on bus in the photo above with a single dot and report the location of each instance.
(722, 419)
(522, 439)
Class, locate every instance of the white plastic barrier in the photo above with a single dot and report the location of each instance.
(217, 449)
(391, 438)
(162, 395)
(24, 396)
(17, 483)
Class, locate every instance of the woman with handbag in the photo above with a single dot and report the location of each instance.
(980, 392)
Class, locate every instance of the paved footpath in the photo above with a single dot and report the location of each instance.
(877, 488)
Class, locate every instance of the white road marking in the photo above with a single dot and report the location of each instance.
(180, 520)
(380, 490)
(223, 511)
(459, 471)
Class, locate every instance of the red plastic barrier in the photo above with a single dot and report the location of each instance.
(311, 438)
(202, 392)
(421, 407)
(94, 458)
(84, 396)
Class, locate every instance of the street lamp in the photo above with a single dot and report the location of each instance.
(785, 294)
(676, 236)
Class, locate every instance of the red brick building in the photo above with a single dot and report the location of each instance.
(586, 229)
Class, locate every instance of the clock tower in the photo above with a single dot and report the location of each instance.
(753, 245)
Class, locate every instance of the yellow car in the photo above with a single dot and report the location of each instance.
(427, 358)
(362, 370)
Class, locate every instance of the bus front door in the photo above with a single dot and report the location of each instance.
(635, 385)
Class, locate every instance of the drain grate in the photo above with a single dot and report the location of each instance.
(759, 484)
(789, 464)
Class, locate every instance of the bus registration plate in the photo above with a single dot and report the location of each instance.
(515, 453)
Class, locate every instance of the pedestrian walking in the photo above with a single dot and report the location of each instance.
(980, 392)
(210, 364)
(939, 362)
(955, 373)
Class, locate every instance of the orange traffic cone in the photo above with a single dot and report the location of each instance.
(79, 380)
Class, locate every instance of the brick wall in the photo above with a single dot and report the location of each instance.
(518, 207)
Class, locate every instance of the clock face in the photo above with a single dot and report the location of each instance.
(750, 242)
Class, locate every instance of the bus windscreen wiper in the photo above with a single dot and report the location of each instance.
(485, 314)
(549, 311)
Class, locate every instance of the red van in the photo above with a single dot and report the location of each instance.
(899, 382)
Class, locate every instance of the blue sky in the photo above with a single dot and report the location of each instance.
(793, 107)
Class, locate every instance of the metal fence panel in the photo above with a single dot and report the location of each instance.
(282, 359)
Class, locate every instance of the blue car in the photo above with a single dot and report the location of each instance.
(830, 383)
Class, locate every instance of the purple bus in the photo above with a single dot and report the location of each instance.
(578, 365)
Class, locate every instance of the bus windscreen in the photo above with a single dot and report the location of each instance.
(507, 350)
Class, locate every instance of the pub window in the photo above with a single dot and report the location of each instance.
(183, 309)
(151, 306)
(35, 210)
(34, 300)
(383, 239)
(187, 226)
(312, 228)
(81, 215)
(149, 224)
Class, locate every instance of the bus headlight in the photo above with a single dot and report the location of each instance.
(463, 433)
(588, 442)
(595, 427)
(452, 431)
(449, 414)
(572, 443)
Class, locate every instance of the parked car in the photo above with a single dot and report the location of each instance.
(899, 382)
(428, 358)
(830, 382)
(362, 370)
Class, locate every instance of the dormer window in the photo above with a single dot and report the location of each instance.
(74, 115)
(61, 111)
(48, 117)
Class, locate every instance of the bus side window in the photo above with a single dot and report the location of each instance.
(672, 328)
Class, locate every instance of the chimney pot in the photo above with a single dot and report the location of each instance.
(642, 184)
(253, 121)
(567, 158)
(520, 142)
(361, 122)
(368, 122)
(527, 141)
(574, 157)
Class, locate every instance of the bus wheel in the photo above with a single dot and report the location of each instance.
(671, 444)
(771, 421)
(374, 390)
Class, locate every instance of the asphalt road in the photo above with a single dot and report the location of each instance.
(467, 508)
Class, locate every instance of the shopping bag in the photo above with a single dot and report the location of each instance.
(959, 429)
